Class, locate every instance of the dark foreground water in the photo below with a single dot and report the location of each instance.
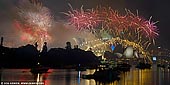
(154, 76)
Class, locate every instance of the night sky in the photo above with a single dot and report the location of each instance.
(158, 9)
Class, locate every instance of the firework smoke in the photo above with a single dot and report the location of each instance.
(33, 22)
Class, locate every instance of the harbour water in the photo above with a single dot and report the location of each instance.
(153, 76)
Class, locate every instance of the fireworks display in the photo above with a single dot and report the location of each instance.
(111, 20)
(83, 19)
(107, 26)
(110, 27)
(33, 22)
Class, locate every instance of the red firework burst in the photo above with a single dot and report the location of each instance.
(112, 20)
(81, 19)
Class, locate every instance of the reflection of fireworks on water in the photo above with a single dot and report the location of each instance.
(33, 22)
(130, 29)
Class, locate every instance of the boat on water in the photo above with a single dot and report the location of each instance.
(123, 67)
(168, 67)
(143, 65)
(105, 75)
(80, 68)
(161, 65)
(39, 69)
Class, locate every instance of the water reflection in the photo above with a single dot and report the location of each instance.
(39, 79)
(153, 76)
